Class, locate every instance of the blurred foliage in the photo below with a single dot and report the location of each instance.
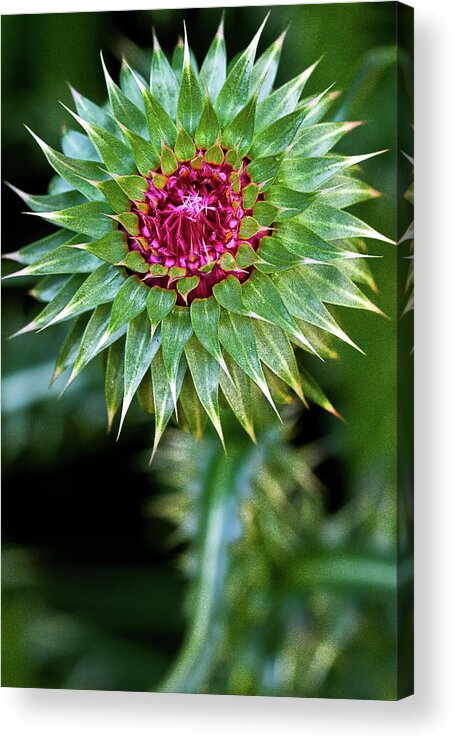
(283, 595)
(92, 585)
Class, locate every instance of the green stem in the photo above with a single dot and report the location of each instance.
(218, 524)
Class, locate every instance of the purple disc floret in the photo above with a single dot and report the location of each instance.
(189, 220)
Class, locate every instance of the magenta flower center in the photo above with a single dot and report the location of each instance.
(188, 222)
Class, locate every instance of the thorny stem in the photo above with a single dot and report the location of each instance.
(227, 478)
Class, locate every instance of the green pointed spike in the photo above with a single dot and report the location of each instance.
(213, 70)
(205, 319)
(78, 146)
(48, 287)
(316, 107)
(163, 83)
(227, 262)
(101, 287)
(176, 331)
(160, 125)
(239, 131)
(264, 170)
(129, 303)
(283, 100)
(208, 128)
(140, 349)
(70, 347)
(301, 241)
(144, 393)
(273, 256)
(116, 155)
(134, 186)
(332, 287)
(159, 303)
(333, 224)
(112, 248)
(249, 227)
(275, 138)
(246, 256)
(319, 339)
(249, 195)
(129, 220)
(77, 173)
(114, 379)
(233, 159)
(39, 248)
(189, 106)
(303, 302)
(343, 191)
(205, 373)
(313, 391)
(318, 140)
(175, 273)
(177, 60)
(63, 260)
(163, 399)
(237, 391)
(93, 333)
(276, 352)
(289, 202)
(113, 194)
(93, 113)
(58, 185)
(261, 297)
(193, 415)
(89, 218)
(185, 148)
(53, 202)
(265, 213)
(146, 157)
(308, 174)
(237, 336)
(228, 294)
(123, 108)
(186, 285)
(234, 93)
(157, 270)
(159, 180)
(134, 261)
(281, 393)
(215, 156)
(53, 309)
(169, 163)
(266, 67)
(128, 84)
(357, 270)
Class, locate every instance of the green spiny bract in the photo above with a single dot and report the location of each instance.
(201, 233)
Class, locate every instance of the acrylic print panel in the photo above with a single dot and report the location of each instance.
(220, 260)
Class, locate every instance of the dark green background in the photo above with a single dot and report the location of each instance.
(92, 596)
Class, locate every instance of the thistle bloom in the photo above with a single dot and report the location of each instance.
(189, 226)
(202, 232)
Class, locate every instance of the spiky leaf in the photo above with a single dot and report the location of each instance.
(139, 350)
(163, 83)
(205, 373)
(213, 70)
(114, 379)
(234, 93)
(189, 106)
